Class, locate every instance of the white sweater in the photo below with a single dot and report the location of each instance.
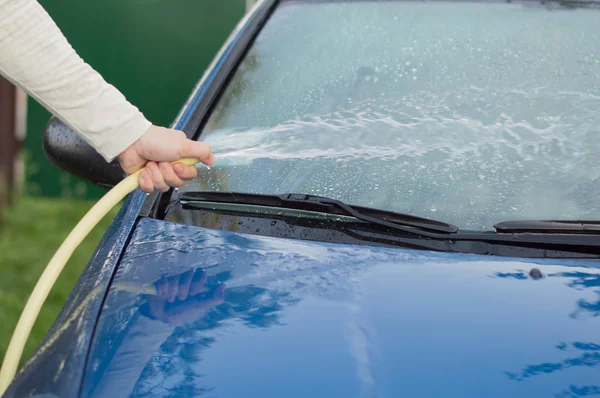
(35, 56)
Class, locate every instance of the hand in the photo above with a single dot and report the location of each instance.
(182, 298)
(155, 150)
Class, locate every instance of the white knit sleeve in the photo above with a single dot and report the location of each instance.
(35, 56)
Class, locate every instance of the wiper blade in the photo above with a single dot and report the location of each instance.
(398, 221)
(573, 4)
(549, 227)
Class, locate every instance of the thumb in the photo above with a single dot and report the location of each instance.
(198, 150)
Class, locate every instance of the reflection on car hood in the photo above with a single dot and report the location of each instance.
(299, 318)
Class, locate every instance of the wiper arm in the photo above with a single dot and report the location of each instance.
(549, 227)
(397, 221)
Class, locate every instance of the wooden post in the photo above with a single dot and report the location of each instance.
(3, 195)
(8, 141)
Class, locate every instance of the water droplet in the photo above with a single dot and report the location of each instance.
(433, 208)
(535, 273)
(208, 167)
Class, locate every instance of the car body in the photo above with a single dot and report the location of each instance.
(304, 302)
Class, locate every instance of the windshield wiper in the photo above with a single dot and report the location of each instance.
(549, 227)
(572, 4)
(397, 221)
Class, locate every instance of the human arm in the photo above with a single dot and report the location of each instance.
(35, 55)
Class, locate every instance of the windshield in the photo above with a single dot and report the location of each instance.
(469, 113)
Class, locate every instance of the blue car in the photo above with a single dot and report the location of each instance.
(404, 204)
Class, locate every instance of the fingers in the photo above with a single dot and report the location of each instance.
(169, 175)
(180, 287)
(189, 310)
(164, 175)
(157, 177)
(173, 288)
(185, 281)
(195, 149)
(162, 288)
(145, 182)
(198, 282)
(156, 149)
(185, 172)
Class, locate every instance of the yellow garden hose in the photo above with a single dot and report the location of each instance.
(56, 265)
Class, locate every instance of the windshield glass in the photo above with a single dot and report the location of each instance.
(469, 113)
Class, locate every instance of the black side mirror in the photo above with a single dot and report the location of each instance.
(68, 151)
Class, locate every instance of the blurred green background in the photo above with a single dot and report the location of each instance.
(154, 51)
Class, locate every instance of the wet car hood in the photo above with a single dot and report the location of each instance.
(275, 317)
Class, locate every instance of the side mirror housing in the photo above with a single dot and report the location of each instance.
(68, 151)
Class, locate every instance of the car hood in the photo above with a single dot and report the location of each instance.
(277, 317)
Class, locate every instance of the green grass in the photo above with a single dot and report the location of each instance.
(31, 232)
